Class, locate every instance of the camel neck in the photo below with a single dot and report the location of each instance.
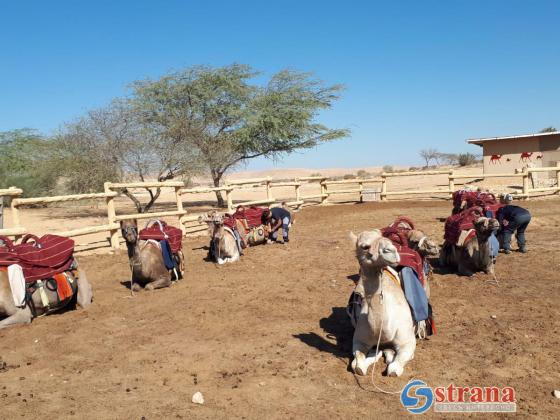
(372, 278)
(131, 248)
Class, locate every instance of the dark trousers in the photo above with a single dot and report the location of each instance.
(518, 226)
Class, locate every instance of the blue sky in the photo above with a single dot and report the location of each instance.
(417, 73)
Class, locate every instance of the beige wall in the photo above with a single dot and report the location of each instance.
(511, 149)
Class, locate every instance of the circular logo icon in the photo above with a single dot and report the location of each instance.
(417, 397)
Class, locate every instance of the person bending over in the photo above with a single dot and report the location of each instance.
(513, 219)
(276, 218)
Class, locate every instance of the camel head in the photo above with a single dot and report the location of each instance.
(422, 244)
(215, 222)
(375, 251)
(129, 230)
(485, 226)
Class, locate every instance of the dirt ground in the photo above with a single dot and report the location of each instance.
(268, 337)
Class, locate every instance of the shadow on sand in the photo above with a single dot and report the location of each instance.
(338, 331)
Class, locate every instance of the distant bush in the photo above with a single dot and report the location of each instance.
(29, 162)
(363, 173)
(349, 176)
(465, 159)
(316, 174)
(388, 168)
(414, 169)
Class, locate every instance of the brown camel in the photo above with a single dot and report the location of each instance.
(17, 315)
(146, 261)
(475, 254)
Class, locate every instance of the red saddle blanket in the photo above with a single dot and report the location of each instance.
(159, 230)
(409, 257)
(486, 200)
(461, 221)
(40, 258)
(250, 216)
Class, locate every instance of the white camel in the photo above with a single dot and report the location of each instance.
(224, 245)
(385, 320)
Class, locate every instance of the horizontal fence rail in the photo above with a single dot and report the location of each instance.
(376, 187)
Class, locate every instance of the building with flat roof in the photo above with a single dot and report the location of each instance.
(506, 154)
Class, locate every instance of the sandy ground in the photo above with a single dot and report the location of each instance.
(267, 337)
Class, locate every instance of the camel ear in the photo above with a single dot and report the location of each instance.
(353, 238)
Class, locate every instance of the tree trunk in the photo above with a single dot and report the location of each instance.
(216, 178)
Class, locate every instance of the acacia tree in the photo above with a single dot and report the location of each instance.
(224, 120)
(113, 144)
(429, 154)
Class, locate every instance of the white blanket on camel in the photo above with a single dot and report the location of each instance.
(17, 284)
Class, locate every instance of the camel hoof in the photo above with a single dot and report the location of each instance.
(136, 287)
(220, 261)
(389, 355)
(149, 287)
(394, 369)
(357, 368)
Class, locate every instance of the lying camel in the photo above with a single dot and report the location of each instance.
(146, 261)
(426, 247)
(385, 318)
(475, 254)
(15, 315)
(224, 245)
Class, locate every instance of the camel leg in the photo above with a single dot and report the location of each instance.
(405, 353)
(464, 271)
(361, 362)
(158, 284)
(21, 316)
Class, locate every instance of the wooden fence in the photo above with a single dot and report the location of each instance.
(326, 189)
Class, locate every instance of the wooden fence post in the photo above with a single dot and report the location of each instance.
(324, 191)
(361, 192)
(229, 198)
(525, 173)
(111, 214)
(180, 208)
(383, 188)
(451, 184)
(269, 189)
(15, 218)
(557, 177)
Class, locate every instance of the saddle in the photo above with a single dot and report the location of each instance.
(251, 219)
(41, 264)
(409, 257)
(40, 258)
(455, 224)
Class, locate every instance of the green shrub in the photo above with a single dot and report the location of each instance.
(388, 168)
(465, 159)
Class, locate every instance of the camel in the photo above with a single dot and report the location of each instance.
(385, 320)
(418, 241)
(426, 247)
(146, 261)
(525, 156)
(16, 315)
(474, 255)
(225, 247)
(496, 158)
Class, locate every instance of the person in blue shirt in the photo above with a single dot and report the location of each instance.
(513, 219)
(276, 218)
